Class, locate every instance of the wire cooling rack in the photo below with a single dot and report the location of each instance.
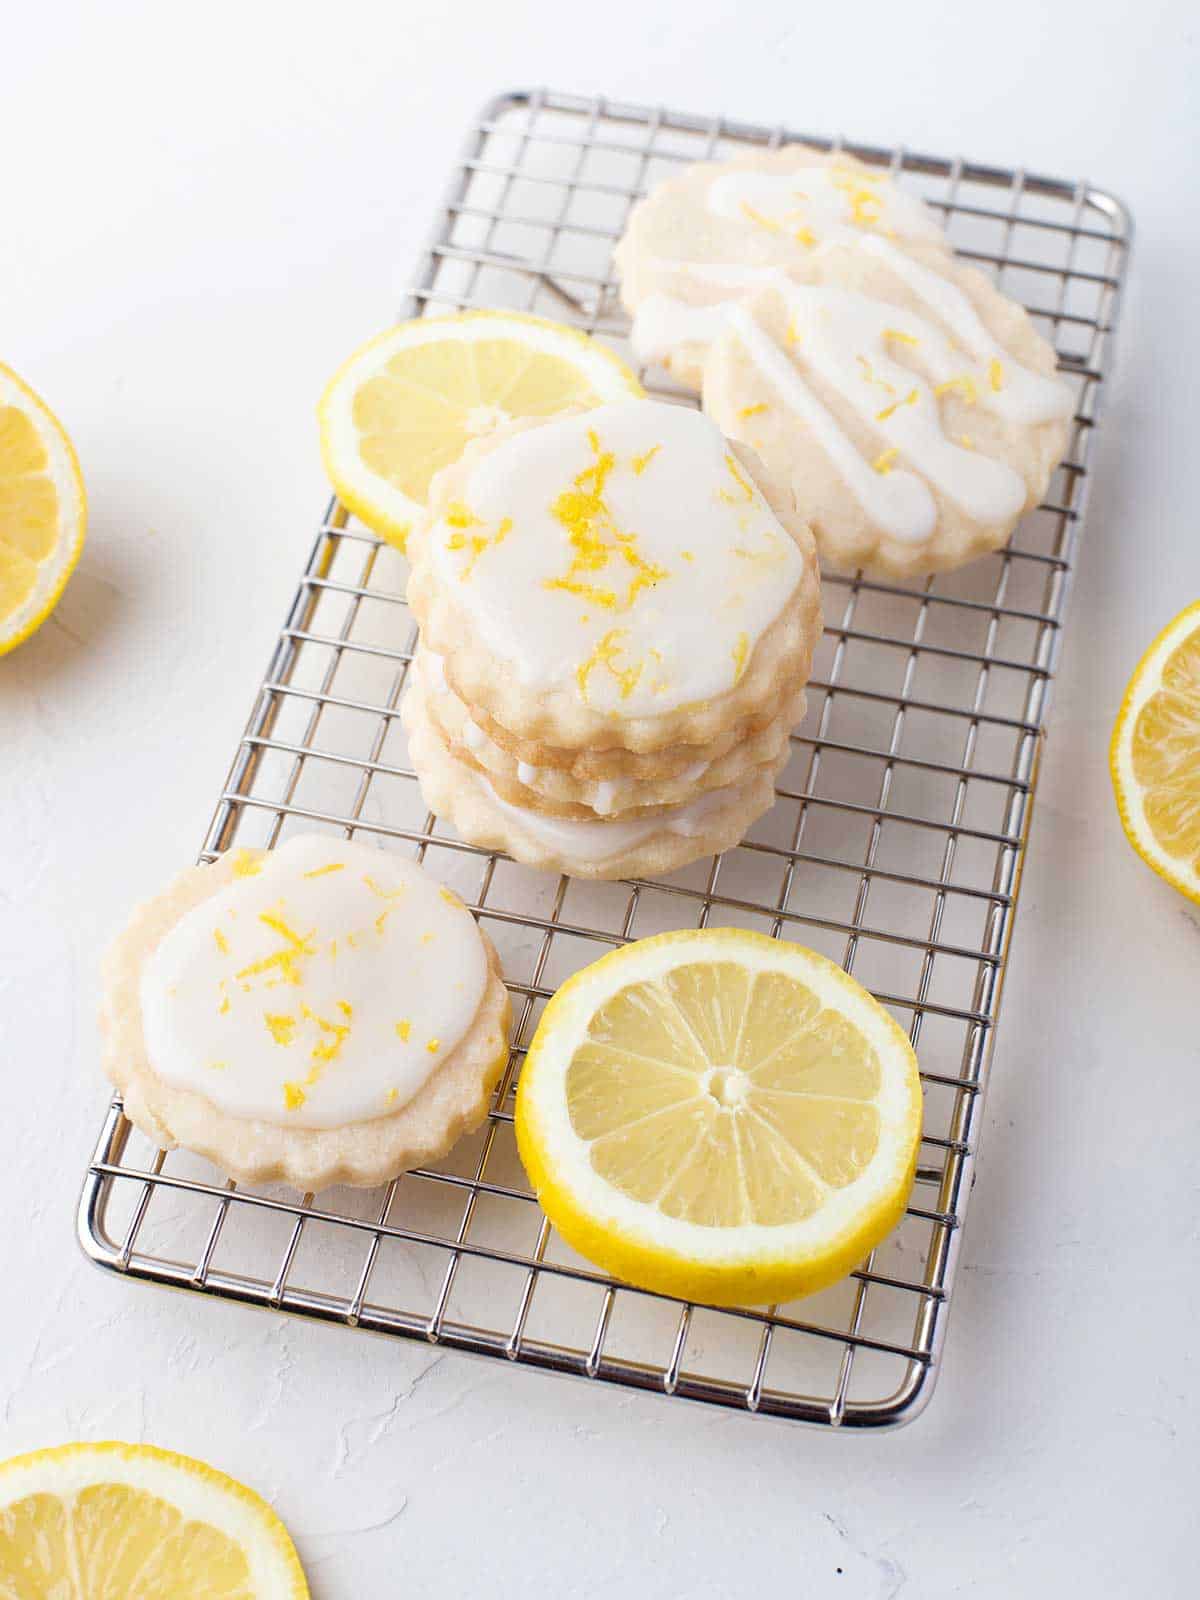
(895, 845)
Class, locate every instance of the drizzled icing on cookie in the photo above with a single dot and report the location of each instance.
(851, 341)
(636, 554)
(824, 203)
(342, 978)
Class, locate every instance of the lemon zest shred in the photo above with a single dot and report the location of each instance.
(320, 872)
(640, 463)
(293, 1096)
(221, 942)
(996, 374)
(739, 652)
(280, 1026)
(595, 539)
(246, 864)
(757, 217)
(964, 383)
(967, 441)
(743, 483)
(404, 1028)
(390, 1097)
(883, 464)
(433, 1046)
(910, 399)
(605, 655)
(900, 337)
(754, 411)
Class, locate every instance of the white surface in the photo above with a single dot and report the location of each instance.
(203, 212)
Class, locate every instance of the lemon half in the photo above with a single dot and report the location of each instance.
(43, 512)
(720, 1116)
(85, 1521)
(1154, 756)
(405, 404)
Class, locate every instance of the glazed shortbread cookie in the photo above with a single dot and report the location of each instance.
(913, 407)
(322, 1013)
(714, 231)
(615, 578)
(601, 848)
(554, 792)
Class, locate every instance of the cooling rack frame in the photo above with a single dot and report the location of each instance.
(528, 220)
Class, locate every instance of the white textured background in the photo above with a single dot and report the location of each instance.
(204, 208)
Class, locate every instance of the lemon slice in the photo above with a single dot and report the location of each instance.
(42, 511)
(719, 1116)
(86, 1521)
(1155, 754)
(404, 405)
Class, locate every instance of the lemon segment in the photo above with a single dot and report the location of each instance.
(1154, 756)
(89, 1520)
(42, 511)
(720, 1116)
(407, 403)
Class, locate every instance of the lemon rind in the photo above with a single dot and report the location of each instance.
(207, 1495)
(1145, 681)
(382, 507)
(739, 1278)
(67, 476)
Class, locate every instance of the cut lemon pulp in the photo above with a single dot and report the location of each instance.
(405, 405)
(89, 1521)
(1155, 754)
(720, 1116)
(42, 511)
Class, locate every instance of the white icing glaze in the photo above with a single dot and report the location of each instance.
(1020, 395)
(602, 840)
(844, 337)
(621, 555)
(828, 203)
(280, 996)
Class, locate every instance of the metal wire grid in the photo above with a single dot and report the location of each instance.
(895, 845)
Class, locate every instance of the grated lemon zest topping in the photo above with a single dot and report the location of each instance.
(910, 399)
(319, 872)
(640, 463)
(288, 959)
(883, 464)
(754, 411)
(221, 942)
(246, 864)
(964, 383)
(605, 655)
(967, 441)
(293, 1096)
(596, 540)
(427, 938)
(404, 1028)
(449, 896)
(687, 555)
(740, 651)
(434, 1046)
(460, 516)
(345, 1008)
(477, 543)
(805, 236)
(757, 217)
(743, 483)
(901, 337)
(280, 1026)
(793, 334)
(390, 1097)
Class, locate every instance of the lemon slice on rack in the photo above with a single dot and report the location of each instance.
(89, 1520)
(404, 405)
(1155, 755)
(720, 1116)
(42, 511)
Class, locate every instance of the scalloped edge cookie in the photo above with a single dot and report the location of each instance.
(453, 1100)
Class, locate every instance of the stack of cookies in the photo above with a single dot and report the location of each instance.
(618, 613)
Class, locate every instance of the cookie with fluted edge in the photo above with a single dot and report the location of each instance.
(620, 578)
(555, 793)
(223, 1022)
(605, 848)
